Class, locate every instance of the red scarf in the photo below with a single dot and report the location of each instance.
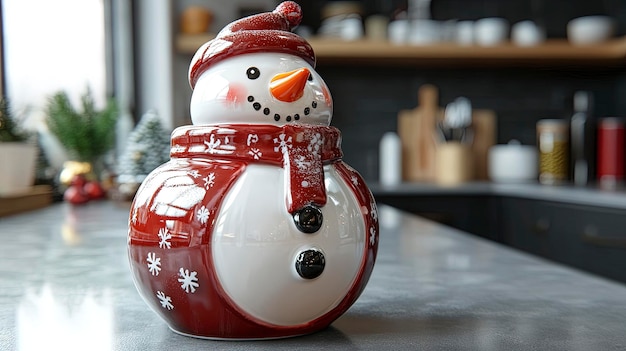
(302, 150)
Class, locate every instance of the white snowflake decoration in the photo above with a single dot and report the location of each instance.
(166, 301)
(189, 281)
(372, 236)
(283, 143)
(212, 144)
(194, 173)
(203, 215)
(315, 144)
(165, 237)
(301, 163)
(355, 180)
(255, 153)
(154, 263)
(134, 218)
(374, 211)
(209, 181)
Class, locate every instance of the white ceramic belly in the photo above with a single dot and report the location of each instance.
(255, 244)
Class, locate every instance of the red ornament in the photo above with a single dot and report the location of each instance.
(94, 190)
(75, 195)
(79, 180)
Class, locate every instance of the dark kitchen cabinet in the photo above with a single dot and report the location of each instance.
(590, 238)
(474, 214)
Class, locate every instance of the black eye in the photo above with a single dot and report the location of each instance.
(253, 73)
(310, 77)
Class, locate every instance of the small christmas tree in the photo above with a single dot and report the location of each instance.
(148, 147)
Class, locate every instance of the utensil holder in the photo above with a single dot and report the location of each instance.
(454, 163)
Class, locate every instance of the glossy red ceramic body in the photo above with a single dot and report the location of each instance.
(175, 211)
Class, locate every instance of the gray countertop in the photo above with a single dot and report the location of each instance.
(432, 288)
(590, 195)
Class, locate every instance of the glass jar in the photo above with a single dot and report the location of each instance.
(553, 144)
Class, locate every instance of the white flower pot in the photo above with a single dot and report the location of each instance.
(17, 168)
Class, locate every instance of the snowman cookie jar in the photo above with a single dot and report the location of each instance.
(255, 228)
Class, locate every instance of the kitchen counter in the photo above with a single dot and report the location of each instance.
(590, 195)
(433, 287)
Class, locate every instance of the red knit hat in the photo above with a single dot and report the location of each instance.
(263, 32)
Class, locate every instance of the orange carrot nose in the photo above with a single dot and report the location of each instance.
(289, 86)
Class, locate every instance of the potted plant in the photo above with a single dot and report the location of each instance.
(18, 156)
(87, 133)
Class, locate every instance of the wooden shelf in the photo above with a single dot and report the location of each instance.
(38, 197)
(552, 52)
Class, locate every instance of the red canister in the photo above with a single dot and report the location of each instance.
(610, 151)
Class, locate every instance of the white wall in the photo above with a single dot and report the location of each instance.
(163, 82)
(155, 57)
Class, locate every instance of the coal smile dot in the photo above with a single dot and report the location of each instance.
(266, 111)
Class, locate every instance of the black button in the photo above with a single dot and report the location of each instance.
(310, 263)
(308, 219)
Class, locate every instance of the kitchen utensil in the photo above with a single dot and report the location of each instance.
(457, 120)
(454, 163)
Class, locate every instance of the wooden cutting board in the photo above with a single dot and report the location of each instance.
(484, 128)
(416, 128)
(417, 131)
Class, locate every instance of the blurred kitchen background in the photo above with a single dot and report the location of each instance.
(438, 102)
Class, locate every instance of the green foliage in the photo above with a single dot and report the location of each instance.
(9, 130)
(86, 134)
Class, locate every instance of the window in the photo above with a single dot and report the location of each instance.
(51, 46)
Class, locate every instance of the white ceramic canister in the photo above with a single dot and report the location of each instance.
(513, 162)
(390, 159)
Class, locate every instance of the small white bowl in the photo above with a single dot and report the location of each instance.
(465, 32)
(527, 33)
(491, 31)
(590, 29)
